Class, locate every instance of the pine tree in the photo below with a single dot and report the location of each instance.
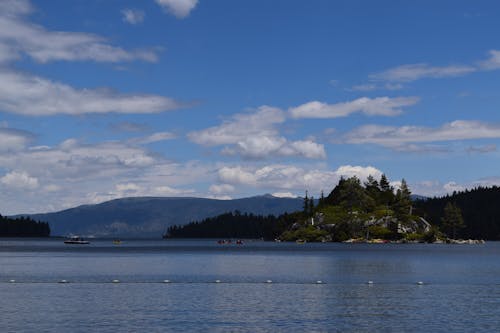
(306, 204)
(387, 191)
(311, 206)
(372, 188)
(402, 203)
(452, 221)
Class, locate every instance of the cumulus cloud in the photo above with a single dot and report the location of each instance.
(219, 189)
(18, 36)
(179, 8)
(74, 173)
(19, 180)
(132, 16)
(31, 95)
(413, 72)
(396, 136)
(255, 136)
(287, 178)
(380, 106)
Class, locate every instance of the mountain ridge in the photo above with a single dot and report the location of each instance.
(151, 216)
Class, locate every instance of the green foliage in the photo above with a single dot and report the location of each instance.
(479, 211)
(334, 214)
(23, 227)
(414, 237)
(386, 196)
(452, 220)
(432, 235)
(308, 233)
(376, 231)
(350, 194)
(402, 203)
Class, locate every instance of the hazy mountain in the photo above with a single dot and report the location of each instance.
(151, 216)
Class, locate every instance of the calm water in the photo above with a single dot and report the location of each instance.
(461, 290)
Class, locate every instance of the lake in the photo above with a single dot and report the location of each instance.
(254, 287)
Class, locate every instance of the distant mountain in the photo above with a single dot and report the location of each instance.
(415, 197)
(151, 216)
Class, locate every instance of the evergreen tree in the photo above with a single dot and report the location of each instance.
(372, 188)
(402, 205)
(352, 195)
(321, 199)
(311, 206)
(452, 220)
(306, 205)
(387, 191)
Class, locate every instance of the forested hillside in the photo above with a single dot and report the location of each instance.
(480, 209)
(23, 227)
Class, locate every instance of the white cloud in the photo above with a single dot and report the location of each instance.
(19, 180)
(493, 62)
(31, 95)
(255, 136)
(13, 139)
(18, 36)
(240, 126)
(413, 72)
(219, 189)
(179, 8)
(73, 173)
(453, 186)
(381, 106)
(155, 137)
(132, 16)
(286, 178)
(397, 136)
(284, 195)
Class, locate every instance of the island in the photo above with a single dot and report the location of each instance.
(373, 211)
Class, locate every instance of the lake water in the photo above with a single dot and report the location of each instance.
(460, 291)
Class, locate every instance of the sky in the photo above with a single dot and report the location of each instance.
(227, 99)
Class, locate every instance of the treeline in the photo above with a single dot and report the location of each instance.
(234, 225)
(23, 227)
(480, 208)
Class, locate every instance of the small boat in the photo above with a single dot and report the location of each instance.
(117, 241)
(76, 240)
(300, 241)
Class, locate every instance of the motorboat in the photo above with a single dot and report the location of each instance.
(76, 240)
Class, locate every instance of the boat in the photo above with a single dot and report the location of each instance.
(300, 241)
(76, 240)
(117, 241)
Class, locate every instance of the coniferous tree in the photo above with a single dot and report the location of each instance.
(387, 191)
(372, 188)
(402, 205)
(306, 205)
(452, 220)
(311, 206)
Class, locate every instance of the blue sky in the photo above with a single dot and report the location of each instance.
(226, 99)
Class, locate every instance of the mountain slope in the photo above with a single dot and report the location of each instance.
(151, 216)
